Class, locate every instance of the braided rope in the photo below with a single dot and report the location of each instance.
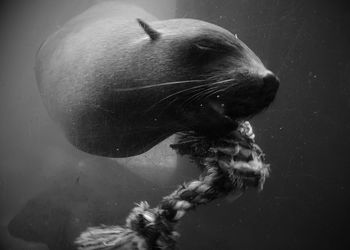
(230, 164)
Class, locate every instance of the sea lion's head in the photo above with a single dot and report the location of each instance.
(118, 87)
(224, 78)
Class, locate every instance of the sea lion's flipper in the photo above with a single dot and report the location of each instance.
(152, 33)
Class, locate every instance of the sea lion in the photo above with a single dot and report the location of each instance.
(119, 85)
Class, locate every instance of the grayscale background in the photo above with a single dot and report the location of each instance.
(49, 191)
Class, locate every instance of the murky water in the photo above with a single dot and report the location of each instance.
(54, 191)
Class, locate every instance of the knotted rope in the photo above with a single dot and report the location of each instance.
(230, 164)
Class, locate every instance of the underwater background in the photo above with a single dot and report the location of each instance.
(50, 191)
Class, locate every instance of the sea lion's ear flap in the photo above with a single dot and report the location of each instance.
(152, 33)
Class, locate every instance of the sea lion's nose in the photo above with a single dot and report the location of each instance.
(271, 81)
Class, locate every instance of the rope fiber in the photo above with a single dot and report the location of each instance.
(229, 165)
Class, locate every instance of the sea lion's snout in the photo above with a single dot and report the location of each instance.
(270, 87)
(253, 93)
(271, 82)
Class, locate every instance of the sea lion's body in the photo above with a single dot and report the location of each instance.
(117, 90)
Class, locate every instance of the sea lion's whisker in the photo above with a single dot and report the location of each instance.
(214, 88)
(155, 85)
(181, 92)
(175, 95)
(200, 95)
(201, 91)
(223, 81)
(211, 93)
(230, 86)
(216, 91)
(196, 92)
(194, 88)
(217, 76)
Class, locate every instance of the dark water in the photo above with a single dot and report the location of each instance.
(53, 190)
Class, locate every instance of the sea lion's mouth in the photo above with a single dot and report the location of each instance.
(247, 99)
